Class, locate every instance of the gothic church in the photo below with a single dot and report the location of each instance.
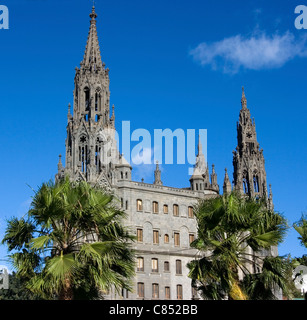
(161, 216)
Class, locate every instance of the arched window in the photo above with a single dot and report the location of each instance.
(87, 98)
(245, 183)
(98, 154)
(256, 183)
(96, 101)
(83, 153)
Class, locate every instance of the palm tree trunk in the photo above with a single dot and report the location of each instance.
(236, 292)
(66, 292)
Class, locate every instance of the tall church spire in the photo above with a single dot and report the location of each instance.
(248, 160)
(91, 151)
(92, 57)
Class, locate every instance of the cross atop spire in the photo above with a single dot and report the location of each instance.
(93, 14)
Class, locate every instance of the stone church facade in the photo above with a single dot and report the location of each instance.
(160, 216)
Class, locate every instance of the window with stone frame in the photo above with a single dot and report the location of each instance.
(167, 293)
(155, 237)
(155, 207)
(139, 205)
(154, 265)
(166, 266)
(176, 239)
(178, 267)
(191, 237)
(139, 235)
(140, 290)
(140, 264)
(165, 209)
(166, 238)
(179, 292)
(155, 291)
(190, 212)
(176, 210)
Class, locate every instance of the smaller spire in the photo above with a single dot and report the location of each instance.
(214, 184)
(199, 147)
(60, 165)
(200, 163)
(158, 175)
(227, 184)
(69, 115)
(243, 99)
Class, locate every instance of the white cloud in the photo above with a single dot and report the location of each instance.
(144, 164)
(257, 52)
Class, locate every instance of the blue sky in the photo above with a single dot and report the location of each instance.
(173, 64)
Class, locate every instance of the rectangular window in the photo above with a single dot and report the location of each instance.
(191, 238)
(140, 264)
(175, 210)
(190, 212)
(139, 205)
(140, 290)
(165, 209)
(155, 237)
(166, 238)
(166, 266)
(155, 291)
(155, 207)
(139, 234)
(178, 267)
(154, 265)
(179, 292)
(167, 293)
(177, 239)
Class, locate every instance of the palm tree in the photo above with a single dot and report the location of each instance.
(72, 243)
(301, 228)
(233, 233)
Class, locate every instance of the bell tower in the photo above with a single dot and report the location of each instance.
(91, 150)
(248, 160)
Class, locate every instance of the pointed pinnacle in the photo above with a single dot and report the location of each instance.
(243, 99)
